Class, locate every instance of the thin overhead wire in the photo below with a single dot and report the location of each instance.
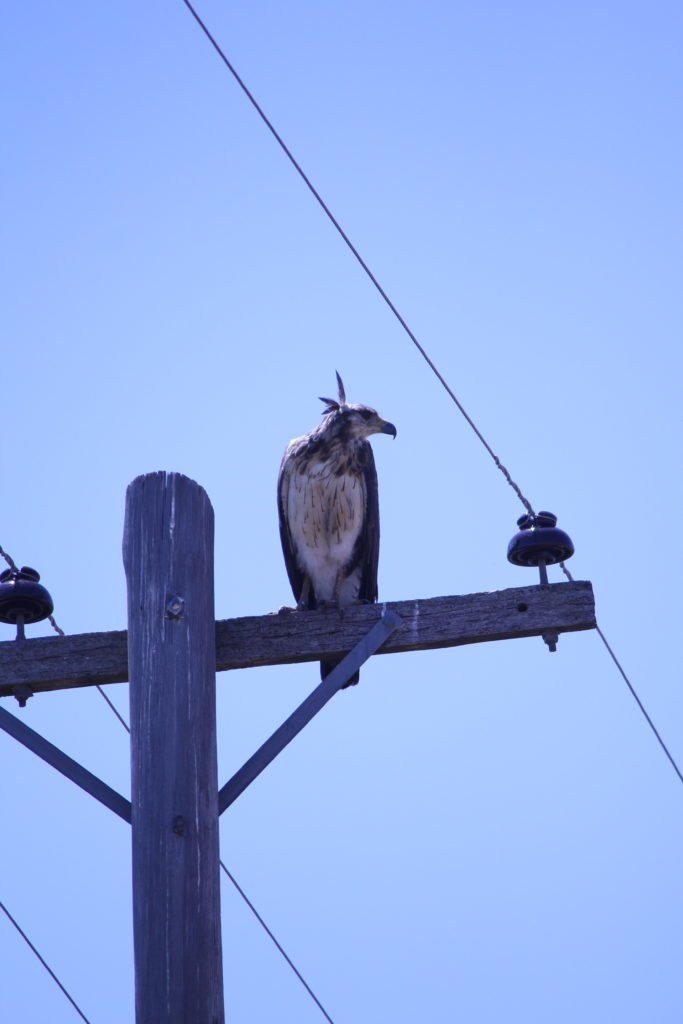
(57, 629)
(8, 558)
(631, 688)
(268, 931)
(640, 704)
(314, 192)
(120, 717)
(45, 965)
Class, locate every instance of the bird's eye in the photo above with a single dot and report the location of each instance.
(365, 413)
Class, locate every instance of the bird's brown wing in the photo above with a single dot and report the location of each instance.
(296, 577)
(366, 554)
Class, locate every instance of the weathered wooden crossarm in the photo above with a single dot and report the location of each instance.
(86, 659)
(427, 624)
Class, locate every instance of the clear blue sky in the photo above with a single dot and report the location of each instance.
(484, 834)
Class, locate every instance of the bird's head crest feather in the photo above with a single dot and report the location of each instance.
(331, 404)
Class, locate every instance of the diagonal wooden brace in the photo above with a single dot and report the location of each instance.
(52, 755)
(333, 682)
(66, 765)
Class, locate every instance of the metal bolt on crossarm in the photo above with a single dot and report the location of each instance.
(540, 542)
(23, 599)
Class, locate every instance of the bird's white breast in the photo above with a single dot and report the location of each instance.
(325, 514)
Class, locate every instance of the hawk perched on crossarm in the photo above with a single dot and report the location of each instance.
(329, 511)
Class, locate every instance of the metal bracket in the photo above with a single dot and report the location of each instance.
(333, 682)
(341, 673)
(66, 765)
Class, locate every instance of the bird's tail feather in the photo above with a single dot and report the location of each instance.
(327, 666)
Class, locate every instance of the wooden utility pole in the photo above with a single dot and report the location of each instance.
(168, 558)
(170, 654)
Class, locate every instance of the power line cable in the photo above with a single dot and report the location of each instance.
(631, 688)
(113, 708)
(640, 703)
(57, 629)
(45, 965)
(8, 558)
(314, 192)
(268, 931)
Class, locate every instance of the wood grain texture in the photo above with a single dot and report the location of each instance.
(427, 624)
(54, 663)
(62, 662)
(168, 557)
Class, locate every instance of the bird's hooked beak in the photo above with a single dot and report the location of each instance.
(387, 428)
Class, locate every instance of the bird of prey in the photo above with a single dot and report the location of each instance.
(329, 511)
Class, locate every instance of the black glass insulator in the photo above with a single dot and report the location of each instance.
(22, 596)
(539, 541)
